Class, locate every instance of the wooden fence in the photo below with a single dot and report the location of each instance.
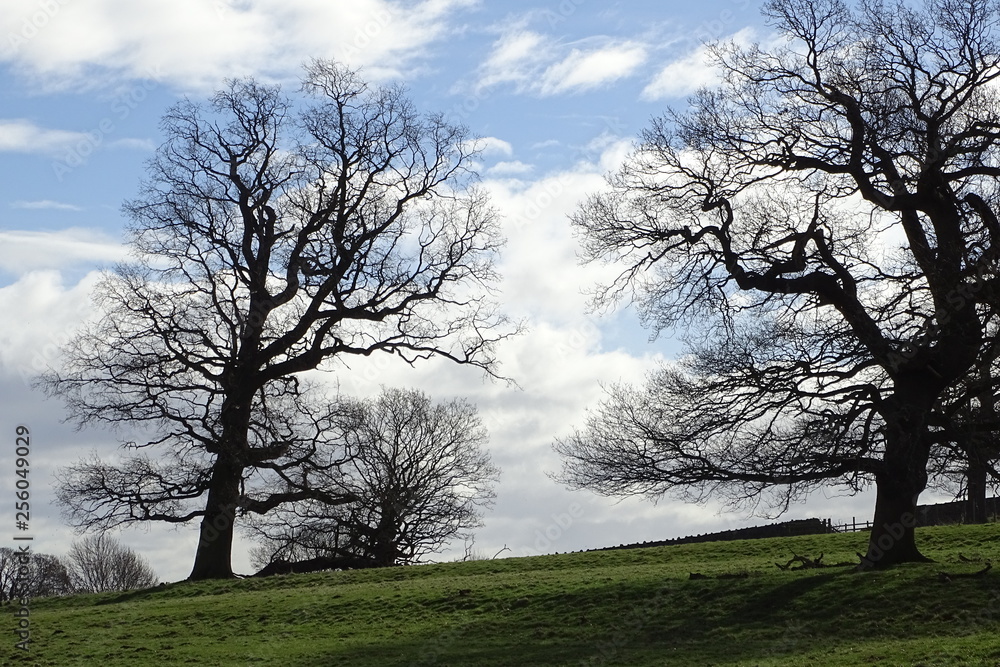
(852, 527)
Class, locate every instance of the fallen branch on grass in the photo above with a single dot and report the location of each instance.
(806, 563)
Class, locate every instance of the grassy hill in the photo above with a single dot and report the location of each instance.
(634, 607)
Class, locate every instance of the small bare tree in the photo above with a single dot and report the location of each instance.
(100, 563)
(421, 476)
(50, 576)
(32, 575)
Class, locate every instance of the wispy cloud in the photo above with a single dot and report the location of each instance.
(685, 75)
(541, 65)
(509, 168)
(25, 251)
(583, 70)
(46, 204)
(492, 146)
(18, 135)
(134, 144)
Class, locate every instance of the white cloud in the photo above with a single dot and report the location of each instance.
(509, 168)
(46, 204)
(22, 252)
(133, 144)
(682, 77)
(560, 363)
(18, 135)
(686, 75)
(612, 150)
(541, 65)
(585, 70)
(194, 44)
(515, 55)
(47, 312)
(493, 146)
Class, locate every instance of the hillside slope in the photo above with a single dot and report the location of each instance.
(632, 607)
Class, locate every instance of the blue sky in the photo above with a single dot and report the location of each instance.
(557, 90)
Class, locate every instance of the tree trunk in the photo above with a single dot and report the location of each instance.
(901, 481)
(982, 448)
(975, 488)
(384, 545)
(213, 559)
(892, 538)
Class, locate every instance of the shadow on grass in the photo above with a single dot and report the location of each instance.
(162, 590)
(641, 625)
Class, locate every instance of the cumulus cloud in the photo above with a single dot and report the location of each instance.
(541, 65)
(195, 44)
(559, 364)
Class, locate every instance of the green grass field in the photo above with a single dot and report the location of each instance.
(634, 607)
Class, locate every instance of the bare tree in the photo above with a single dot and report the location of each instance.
(99, 563)
(830, 211)
(421, 476)
(9, 563)
(274, 236)
(32, 575)
(50, 577)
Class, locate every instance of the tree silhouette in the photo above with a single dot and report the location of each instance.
(420, 475)
(99, 563)
(274, 236)
(825, 221)
(31, 575)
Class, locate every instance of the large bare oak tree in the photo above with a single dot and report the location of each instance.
(274, 235)
(825, 220)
